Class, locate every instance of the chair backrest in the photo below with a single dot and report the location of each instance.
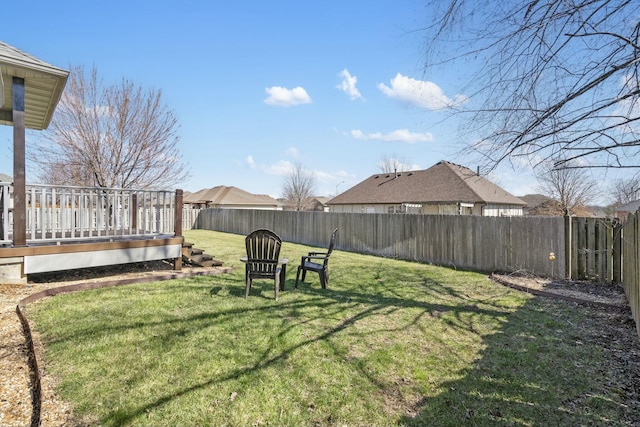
(263, 250)
(332, 242)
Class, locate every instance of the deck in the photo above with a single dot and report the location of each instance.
(77, 227)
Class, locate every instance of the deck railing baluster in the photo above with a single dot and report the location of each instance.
(61, 213)
(6, 201)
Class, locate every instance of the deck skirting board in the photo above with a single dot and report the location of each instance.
(41, 263)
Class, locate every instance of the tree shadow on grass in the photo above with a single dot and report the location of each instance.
(526, 374)
(541, 368)
(347, 308)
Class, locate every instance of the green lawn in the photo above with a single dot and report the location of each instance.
(389, 343)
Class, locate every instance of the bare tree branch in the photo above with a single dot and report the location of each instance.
(626, 190)
(556, 76)
(299, 188)
(391, 164)
(109, 136)
(571, 186)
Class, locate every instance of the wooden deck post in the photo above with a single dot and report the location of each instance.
(19, 186)
(134, 212)
(177, 227)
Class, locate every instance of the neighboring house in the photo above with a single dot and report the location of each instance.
(229, 198)
(317, 203)
(623, 211)
(444, 189)
(538, 204)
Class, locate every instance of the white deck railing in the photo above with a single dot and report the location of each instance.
(63, 213)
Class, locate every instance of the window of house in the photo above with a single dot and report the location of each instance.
(396, 209)
(448, 210)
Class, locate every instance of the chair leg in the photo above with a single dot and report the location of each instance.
(277, 285)
(298, 276)
(323, 279)
(246, 292)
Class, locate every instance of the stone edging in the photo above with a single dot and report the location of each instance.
(34, 371)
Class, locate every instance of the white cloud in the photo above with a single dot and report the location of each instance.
(348, 85)
(251, 162)
(400, 135)
(280, 168)
(293, 152)
(283, 97)
(421, 93)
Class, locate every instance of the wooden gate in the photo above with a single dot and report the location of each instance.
(589, 245)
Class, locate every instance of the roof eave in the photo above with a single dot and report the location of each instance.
(39, 108)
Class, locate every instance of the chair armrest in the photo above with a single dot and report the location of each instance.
(310, 257)
(317, 253)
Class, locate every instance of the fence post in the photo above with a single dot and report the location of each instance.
(616, 251)
(568, 244)
(177, 226)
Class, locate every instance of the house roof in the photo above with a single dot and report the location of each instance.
(629, 207)
(225, 195)
(534, 200)
(444, 182)
(322, 199)
(43, 83)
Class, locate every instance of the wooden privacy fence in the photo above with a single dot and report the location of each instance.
(630, 249)
(584, 248)
(465, 242)
(589, 243)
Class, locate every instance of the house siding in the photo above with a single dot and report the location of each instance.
(478, 209)
(502, 210)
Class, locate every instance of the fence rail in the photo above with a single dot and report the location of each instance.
(59, 213)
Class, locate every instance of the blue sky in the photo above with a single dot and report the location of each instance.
(259, 86)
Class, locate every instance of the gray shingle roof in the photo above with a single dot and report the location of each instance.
(225, 195)
(444, 182)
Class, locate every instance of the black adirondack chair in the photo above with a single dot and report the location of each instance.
(317, 262)
(263, 250)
